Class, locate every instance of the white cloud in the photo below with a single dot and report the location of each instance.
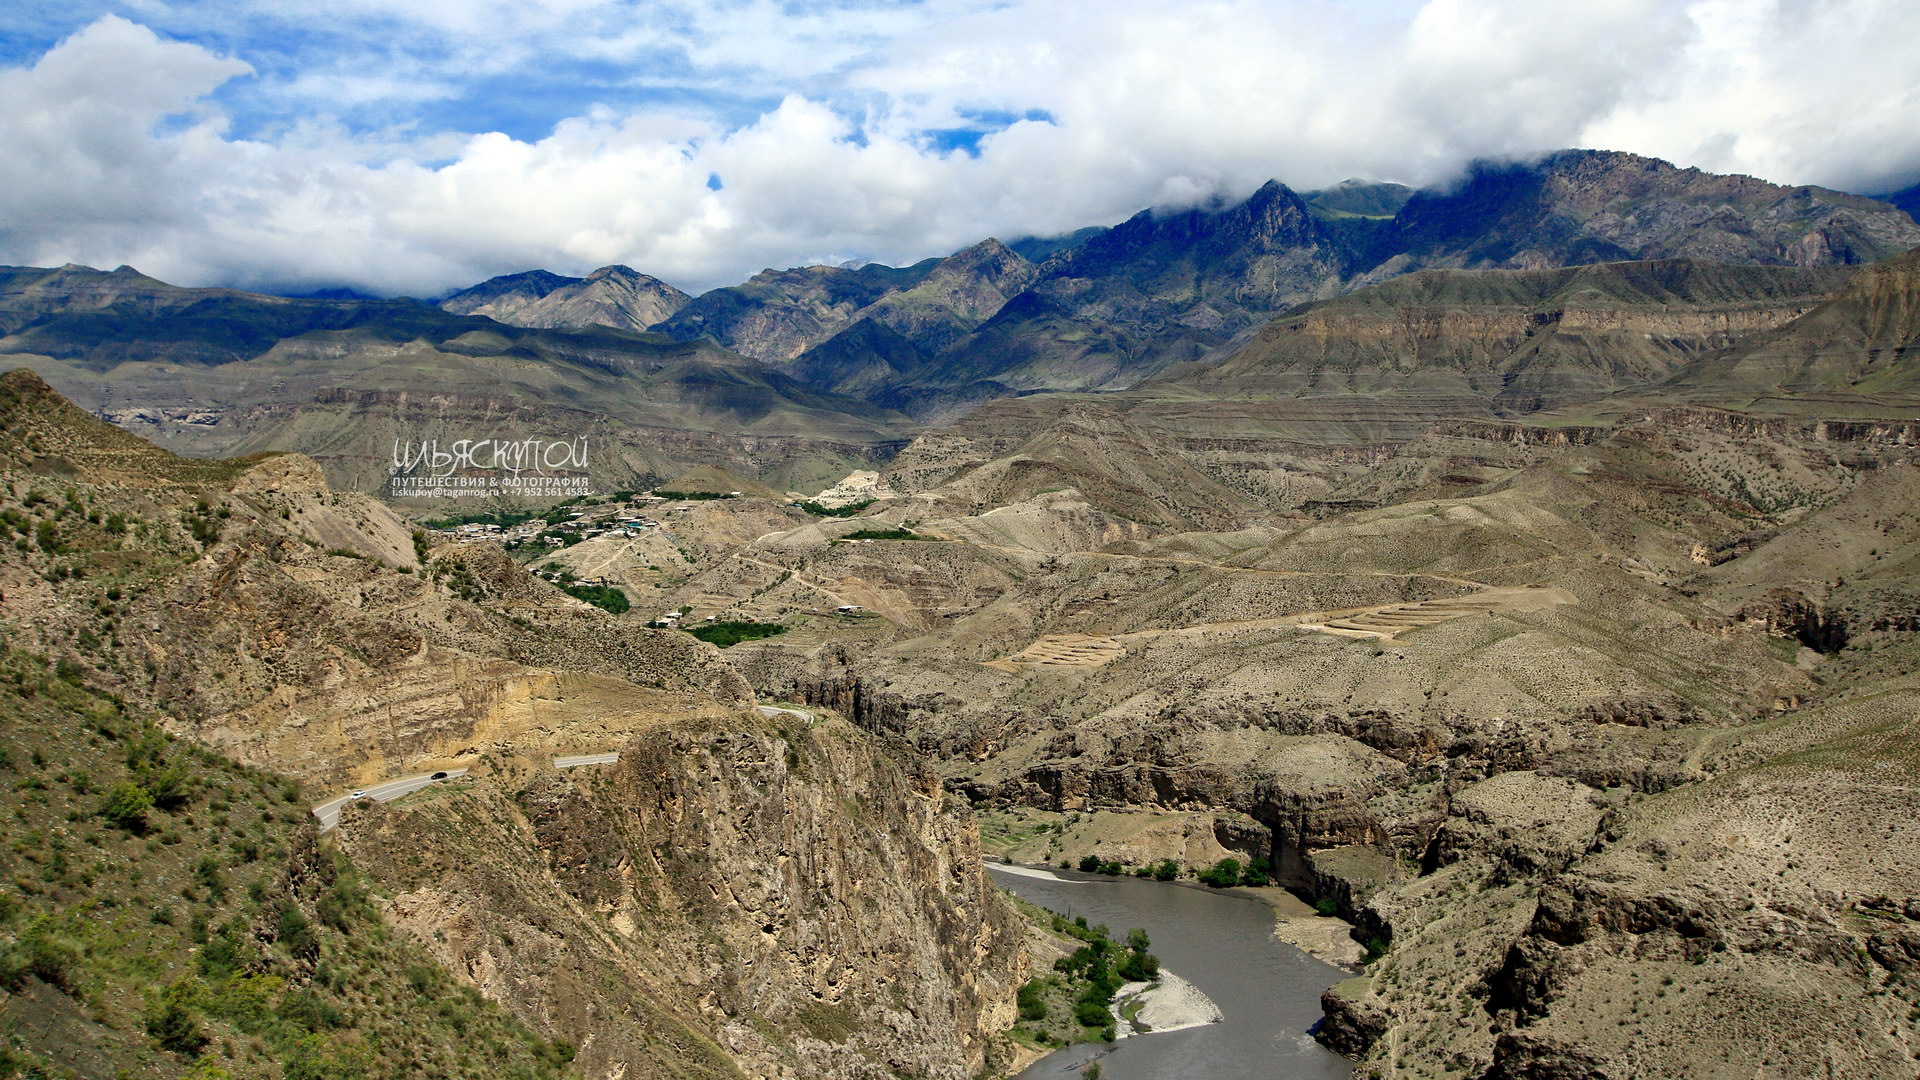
(116, 153)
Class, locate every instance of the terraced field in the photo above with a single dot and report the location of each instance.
(1389, 622)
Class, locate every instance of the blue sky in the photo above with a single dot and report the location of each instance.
(420, 145)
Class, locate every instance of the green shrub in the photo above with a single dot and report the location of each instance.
(170, 787)
(126, 807)
(224, 954)
(1327, 905)
(725, 634)
(296, 933)
(1032, 1000)
(1222, 874)
(309, 1011)
(605, 597)
(1091, 1014)
(818, 510)
(174, 1023)
(1139, 967)
(45, 956)
(1090, 864)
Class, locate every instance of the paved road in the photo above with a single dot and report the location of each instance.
(585, 759)
(386, 791)
(775, 710)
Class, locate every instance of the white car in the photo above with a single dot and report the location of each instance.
(358, 795)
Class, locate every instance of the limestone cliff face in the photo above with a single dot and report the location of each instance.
(1858, 345)
(785, 898)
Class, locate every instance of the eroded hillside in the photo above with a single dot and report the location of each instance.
(701, 907)
(1583, 726)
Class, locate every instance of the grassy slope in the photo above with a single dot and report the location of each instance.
(209, 935)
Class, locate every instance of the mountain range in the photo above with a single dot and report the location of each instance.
(217, 371)
(1111, 306)
(1467, 300)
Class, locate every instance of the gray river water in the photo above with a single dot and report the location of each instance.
(1268, 992)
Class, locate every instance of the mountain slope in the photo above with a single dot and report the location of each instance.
(778, 314)
(1583, 206)
(1907, 199)
(1859, 351)
(1359, 198)
(962, 291)
(868, 357)
(244, 607)
(616, 296)
(269, 957)
(1153, 290)
(1525, 339)
(99, 320)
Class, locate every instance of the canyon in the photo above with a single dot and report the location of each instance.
(1522, 574)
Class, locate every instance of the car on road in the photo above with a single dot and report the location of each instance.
(358, 795)
(438, 776)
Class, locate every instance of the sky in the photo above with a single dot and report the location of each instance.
(418, 146)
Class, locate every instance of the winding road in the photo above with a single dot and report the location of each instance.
(329, 812)
(387, 790)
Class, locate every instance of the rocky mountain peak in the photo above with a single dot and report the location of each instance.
(978, 279)
(528, 284)
(617, 296)
(989, 254)
(1272, 217)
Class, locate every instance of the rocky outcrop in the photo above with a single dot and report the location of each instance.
(787, 896)
(1788, 613)
(1352, 1023)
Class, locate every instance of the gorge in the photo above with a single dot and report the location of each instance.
(1520, 574)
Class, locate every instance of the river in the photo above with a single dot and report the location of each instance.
(1268, 992)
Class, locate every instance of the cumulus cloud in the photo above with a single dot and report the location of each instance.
(729, 136)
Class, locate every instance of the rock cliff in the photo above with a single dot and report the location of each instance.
(785, 898)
